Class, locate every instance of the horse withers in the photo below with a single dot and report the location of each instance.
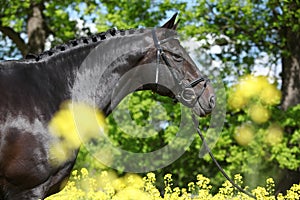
(32, 90)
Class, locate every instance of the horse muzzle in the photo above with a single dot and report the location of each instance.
(205, 107)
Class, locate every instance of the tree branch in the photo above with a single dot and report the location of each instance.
(15, 37)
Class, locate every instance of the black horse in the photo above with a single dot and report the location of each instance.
(31, 91)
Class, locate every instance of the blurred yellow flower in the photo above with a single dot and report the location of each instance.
(274, 134)
(59, 153)
(270, 95)
(237, 101)
(244, 134)
(253, 87)
(73, 124)
(134, 180)
(62, 125)
(131, 194)
(258, 113)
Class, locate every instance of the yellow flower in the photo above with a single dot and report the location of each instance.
(119, 184)
(87, 190)
(270, 95)
(274, 134)
(294, 192)
(59, 153)
(253, 87)
(84, 172)
(151, 177)
(74, 173)
(134, 180)
(238, 178)
(237, 101)
(131, 194)
(73, 124)
(260, 193)
(259, 114)
(202, 181)
(62, 125)
(168, 177)
(244, 134)
(191, 186)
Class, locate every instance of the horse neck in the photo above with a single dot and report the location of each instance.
(42, 84)
(100, 73)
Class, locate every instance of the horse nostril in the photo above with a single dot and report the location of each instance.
(212, 102)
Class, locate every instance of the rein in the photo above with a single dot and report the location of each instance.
(181, 95)
(196, 124)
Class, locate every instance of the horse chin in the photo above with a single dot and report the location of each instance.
(198, 110)
(201, 109)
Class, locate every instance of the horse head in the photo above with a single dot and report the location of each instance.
(190, 87)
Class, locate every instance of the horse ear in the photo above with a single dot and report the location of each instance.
(171, 23)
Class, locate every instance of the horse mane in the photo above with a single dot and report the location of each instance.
(81, 42)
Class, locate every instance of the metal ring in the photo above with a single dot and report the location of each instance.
(188, 98)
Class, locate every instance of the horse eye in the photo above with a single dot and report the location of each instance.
(177, 58)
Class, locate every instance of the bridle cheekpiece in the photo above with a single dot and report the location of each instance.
(182, 91)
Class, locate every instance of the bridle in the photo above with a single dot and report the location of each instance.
(181, 90)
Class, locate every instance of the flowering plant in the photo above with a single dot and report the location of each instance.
(107, 185)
